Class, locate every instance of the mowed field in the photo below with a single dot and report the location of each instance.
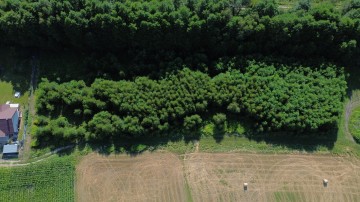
(148, 177)
(217, 177)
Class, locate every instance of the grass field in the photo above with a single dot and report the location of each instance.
(354, 124)
(163, 176)
(49, 180)
(149, 177)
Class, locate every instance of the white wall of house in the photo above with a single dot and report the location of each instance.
(15, 120)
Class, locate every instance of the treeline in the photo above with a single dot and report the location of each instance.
(166, 29)
(275, 97)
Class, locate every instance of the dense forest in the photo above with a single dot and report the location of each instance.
(290, 98)
(213, 59)
(194, 30)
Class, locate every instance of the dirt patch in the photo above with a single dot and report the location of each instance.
(147, 177)
(220, 177)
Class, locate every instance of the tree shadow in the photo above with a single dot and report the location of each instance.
(305, 141)
(219, 133)
(15, 68)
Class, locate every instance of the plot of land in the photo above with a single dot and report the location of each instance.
(218, 177)
(149, 177)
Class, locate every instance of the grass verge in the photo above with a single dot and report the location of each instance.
(354, 124)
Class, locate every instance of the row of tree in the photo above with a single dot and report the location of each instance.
(276, 97)
(162, 29)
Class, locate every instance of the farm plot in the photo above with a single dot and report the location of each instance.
(148, 177)
(220, 177)
(48, 180)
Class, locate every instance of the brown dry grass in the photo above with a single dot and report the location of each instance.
(218, 177)
(147, 177)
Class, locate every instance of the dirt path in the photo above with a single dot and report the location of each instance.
(351, 105)
(197, 144)
(10, 163)
(24, 153)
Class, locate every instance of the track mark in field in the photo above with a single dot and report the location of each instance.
(220, 177)
(217, 177)
(147, 177)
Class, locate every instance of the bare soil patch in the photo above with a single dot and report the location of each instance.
(147, 177)
(220, 177)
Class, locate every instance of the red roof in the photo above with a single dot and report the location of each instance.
(7, 112)
(6, 124)
(6, 127)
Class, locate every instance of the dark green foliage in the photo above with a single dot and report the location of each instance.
(197, 31)
(276, 97)
(303, 5)
(267, 8)
(297, 98)
(192, 122)
(352, 9)
(219, 119)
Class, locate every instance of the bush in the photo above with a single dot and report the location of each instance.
(267, 8)
(219, 119)
(192, 122)
(303, 5)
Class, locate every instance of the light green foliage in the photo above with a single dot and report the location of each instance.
(50, 180)
(354, 124)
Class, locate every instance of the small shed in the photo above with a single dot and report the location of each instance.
(10, 150)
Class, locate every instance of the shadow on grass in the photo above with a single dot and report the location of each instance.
(15, 68)
(309, 142)
(118, 145)
(219, 133)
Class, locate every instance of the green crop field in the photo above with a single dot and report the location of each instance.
(48, 180)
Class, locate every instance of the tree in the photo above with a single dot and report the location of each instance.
(192, 122)
(219, 119)
(266, 8)
(303, 5)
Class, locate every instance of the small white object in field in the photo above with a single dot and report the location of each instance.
(17, 94)
(245, 186)
(325, 181)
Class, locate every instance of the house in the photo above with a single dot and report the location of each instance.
(10, 150)
(9, 122)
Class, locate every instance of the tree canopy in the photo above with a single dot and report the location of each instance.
(275, 97)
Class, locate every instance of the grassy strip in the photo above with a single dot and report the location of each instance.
(354, 124)
(343, 146)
